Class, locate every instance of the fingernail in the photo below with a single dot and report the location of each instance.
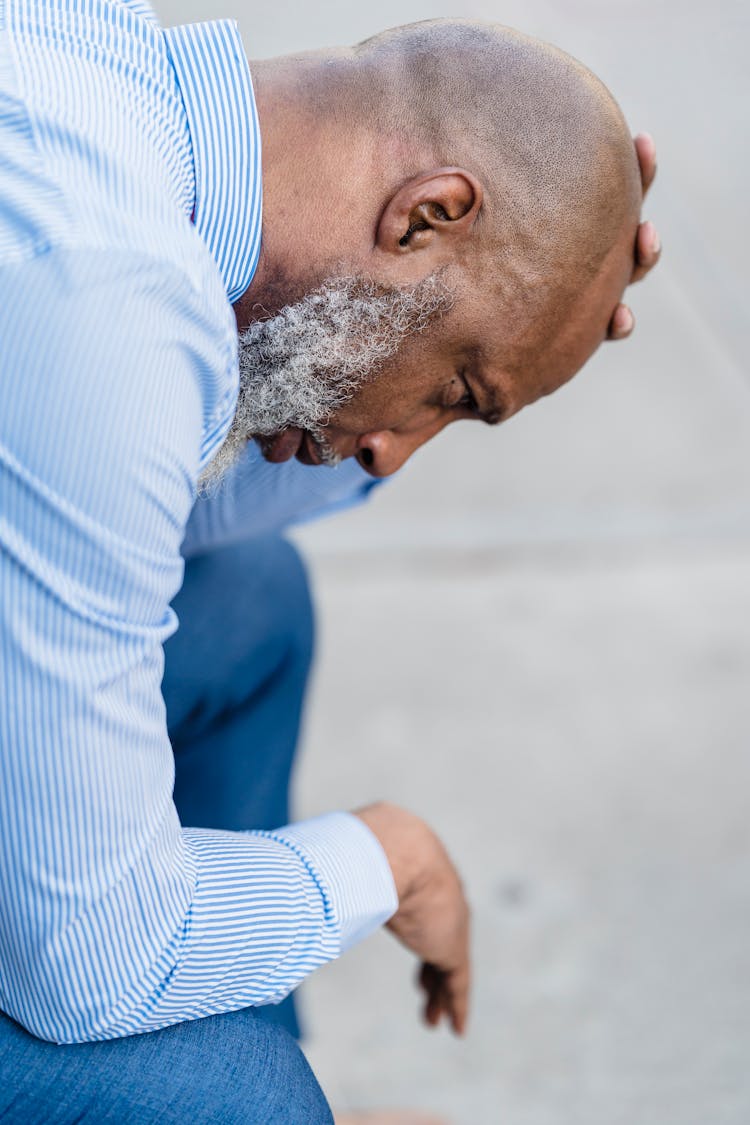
(652, 240)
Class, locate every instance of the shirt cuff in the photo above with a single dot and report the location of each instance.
(350, 860)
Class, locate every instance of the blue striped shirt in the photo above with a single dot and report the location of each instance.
(260, 498)
(130, 218)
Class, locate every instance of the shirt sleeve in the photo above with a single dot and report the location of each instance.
(115, 919)
(259, 498)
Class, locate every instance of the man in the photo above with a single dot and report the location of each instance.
(449, 219)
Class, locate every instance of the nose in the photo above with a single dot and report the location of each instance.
(383, 452)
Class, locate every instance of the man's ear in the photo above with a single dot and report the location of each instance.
(429, 211)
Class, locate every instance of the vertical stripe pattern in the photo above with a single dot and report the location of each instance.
(117, 381)
(215, 82)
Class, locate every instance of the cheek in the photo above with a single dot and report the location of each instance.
(380, 403)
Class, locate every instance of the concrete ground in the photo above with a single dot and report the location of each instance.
(539, 639)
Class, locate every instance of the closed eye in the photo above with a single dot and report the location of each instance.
(467, 400)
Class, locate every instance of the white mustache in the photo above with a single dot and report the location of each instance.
(299, 367)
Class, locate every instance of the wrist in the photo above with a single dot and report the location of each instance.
(404, 838)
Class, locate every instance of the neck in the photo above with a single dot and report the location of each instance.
(326, 177)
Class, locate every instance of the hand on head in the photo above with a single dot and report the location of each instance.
(647, 249)
(453, 152)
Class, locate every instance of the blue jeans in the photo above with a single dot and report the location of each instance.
(227, 1070)
(234, 683)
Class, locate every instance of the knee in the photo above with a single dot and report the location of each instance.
(294, 1097)
(251, 1072)
(230, 1068)
(262, 584)
(247, 606)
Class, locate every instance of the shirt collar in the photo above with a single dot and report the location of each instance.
(212, 72)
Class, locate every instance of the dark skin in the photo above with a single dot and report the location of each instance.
(466, 367)
(461, 368)
(335, 196)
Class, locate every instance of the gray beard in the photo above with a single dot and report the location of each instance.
(299, 367)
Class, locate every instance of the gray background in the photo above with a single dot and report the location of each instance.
(538, 638)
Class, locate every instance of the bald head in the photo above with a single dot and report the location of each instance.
(542, 134)
(458, 154)
(539, 131)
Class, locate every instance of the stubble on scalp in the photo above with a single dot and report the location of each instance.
(540, 132)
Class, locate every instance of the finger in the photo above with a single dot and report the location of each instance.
(448, 994)
(428, 982)
(434, 1007)
(459, 1012)
(438, 1002)
(621, 324)
(433, 1011)
(428, 976)
(457, 988)
(646, 152)
(647, 250)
